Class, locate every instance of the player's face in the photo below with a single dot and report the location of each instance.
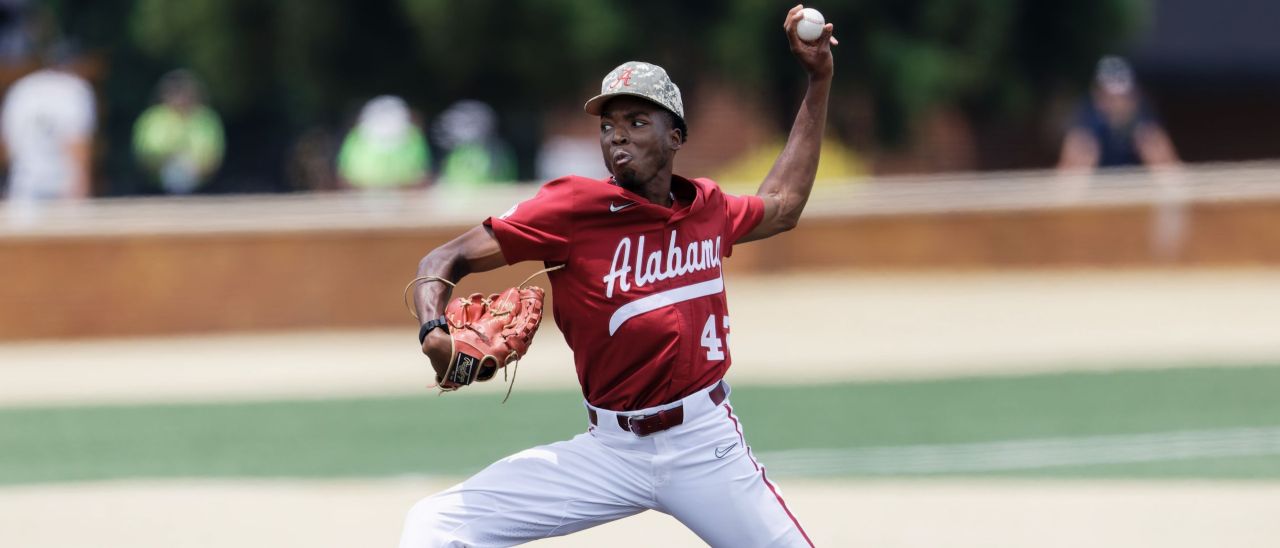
(637, 140)
(1119, 108)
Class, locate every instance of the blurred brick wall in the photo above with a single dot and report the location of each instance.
(157, 284)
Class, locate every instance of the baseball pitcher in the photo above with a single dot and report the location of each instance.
(640, 298)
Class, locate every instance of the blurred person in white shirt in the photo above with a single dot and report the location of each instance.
(47, 123)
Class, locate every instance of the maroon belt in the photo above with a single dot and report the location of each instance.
(643, 425)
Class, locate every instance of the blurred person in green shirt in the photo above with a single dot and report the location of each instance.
(179, 141)
(384, 149)
(476, 155)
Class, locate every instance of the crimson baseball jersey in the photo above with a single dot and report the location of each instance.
(641, 301)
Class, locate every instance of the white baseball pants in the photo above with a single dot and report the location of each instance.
(700, 472)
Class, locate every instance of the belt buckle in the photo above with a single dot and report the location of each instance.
(631, 424)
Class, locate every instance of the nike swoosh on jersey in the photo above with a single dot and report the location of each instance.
(617, 208)
(663, 298)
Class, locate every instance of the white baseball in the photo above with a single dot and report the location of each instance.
(810, 28)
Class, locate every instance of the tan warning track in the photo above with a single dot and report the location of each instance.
(906, 514)
(888, 326)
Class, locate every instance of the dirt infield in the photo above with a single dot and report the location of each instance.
(869, 326)
(988, 514)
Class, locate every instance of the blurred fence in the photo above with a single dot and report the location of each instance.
(166, 265)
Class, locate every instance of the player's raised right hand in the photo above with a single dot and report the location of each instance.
(815, 56)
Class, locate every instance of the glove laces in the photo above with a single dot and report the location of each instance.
(499, 308)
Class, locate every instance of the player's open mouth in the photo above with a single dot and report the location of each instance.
(621, 158)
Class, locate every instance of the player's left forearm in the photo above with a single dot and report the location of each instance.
(80, 152)
(476, 250)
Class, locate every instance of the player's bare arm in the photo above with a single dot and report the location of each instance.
(474, 251)
(80, 151)
(1155, 147)
(1079, 151)
(786, 188)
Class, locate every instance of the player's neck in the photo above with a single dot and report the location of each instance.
(658, 193)
(657, 190)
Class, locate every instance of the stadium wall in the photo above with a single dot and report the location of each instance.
(95, 285)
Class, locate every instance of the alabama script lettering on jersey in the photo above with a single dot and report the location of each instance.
(641, 302)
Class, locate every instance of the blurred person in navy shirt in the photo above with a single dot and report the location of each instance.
(1114, 126)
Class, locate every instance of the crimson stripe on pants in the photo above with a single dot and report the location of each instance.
(729, 410)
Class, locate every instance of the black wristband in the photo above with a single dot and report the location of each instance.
(427, 327)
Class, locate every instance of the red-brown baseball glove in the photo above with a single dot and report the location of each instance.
(485, 333)
(490, 333)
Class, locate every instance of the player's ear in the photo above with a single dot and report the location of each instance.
(675, 135)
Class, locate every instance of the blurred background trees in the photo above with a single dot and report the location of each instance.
(276, 69)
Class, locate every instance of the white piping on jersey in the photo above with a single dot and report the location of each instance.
(660, 299)
(660, 264)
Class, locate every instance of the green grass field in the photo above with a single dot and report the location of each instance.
(459, 433)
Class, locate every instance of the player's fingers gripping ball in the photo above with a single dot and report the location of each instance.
(490, 333)
(810, 25)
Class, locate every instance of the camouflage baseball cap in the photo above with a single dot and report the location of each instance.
(640, 79)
